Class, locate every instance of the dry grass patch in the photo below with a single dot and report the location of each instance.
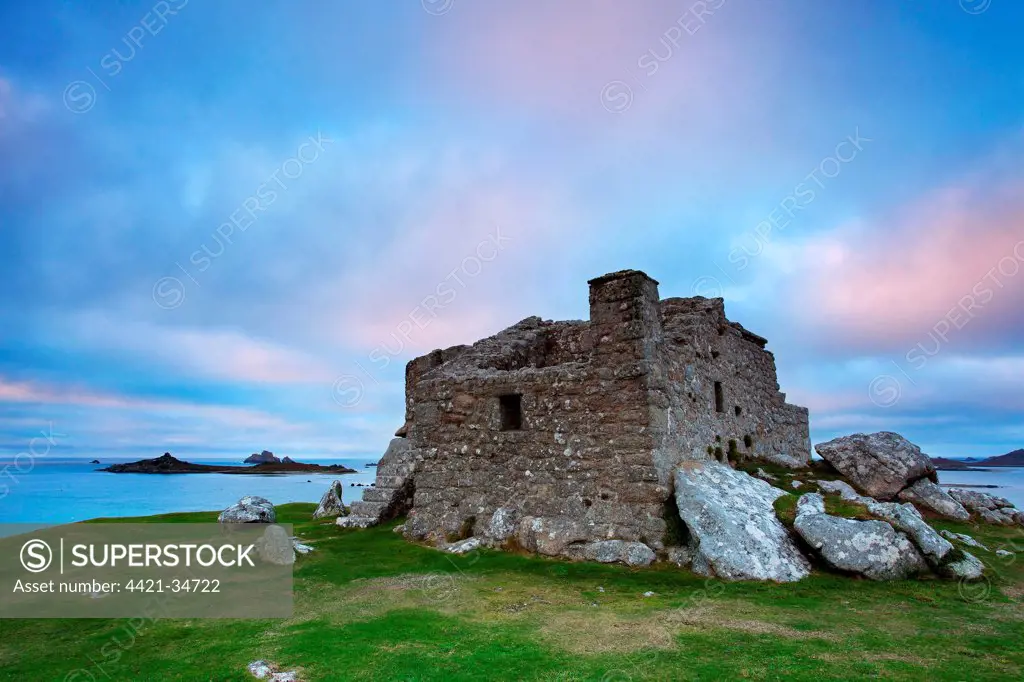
(722, 616)
(601, 631)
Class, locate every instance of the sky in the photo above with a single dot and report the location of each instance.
(226, 227)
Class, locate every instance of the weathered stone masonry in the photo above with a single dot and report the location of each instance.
(555, 436)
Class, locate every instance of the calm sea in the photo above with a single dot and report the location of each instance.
(61, 491)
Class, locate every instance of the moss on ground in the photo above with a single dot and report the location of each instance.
(371, 606)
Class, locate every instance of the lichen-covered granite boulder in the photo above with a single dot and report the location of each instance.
(249, 509)
(879, 464)
(906, 519)
(735, 532)
(991, 509)
(331, 504)
(869, 548)
(925, 494)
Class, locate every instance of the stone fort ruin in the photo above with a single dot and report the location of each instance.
(554, 436)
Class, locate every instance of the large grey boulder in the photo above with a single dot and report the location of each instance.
(926, 494)
(880, 464)
(990, 508)
(906, 518)
(249, 509)
(869, 548)
(331, 504)
(732, 522)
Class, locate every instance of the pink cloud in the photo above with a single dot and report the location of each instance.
(558, 57)
(219, 354)
(35, 393)
(950, 265)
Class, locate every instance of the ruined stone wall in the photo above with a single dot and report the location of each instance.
(580, 463)
(746, 413)
(609, 409)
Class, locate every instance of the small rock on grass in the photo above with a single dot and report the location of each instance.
(264, 670)
(463, 546)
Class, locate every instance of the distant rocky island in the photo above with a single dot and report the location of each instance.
(1010, 459)
(267, 457)
(168, 464)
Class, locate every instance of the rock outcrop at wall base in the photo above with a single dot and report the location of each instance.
(331, 504)
(927, 495)
(869, 548)
(732, 523)
(880, 464)
(989, 508)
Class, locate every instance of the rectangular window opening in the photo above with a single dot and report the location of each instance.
(719, 397)
(511, 412)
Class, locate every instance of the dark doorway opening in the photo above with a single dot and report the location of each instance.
(719, 397)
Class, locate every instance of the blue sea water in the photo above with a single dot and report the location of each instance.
(61, 491)
(64, 491)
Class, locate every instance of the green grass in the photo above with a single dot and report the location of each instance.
(371, 606)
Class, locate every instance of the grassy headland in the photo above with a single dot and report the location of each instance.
(371, 606)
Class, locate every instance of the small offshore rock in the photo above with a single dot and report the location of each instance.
(927, 495)
(331, 505)
(249, 509)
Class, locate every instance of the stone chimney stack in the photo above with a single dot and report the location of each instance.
(625, 319)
